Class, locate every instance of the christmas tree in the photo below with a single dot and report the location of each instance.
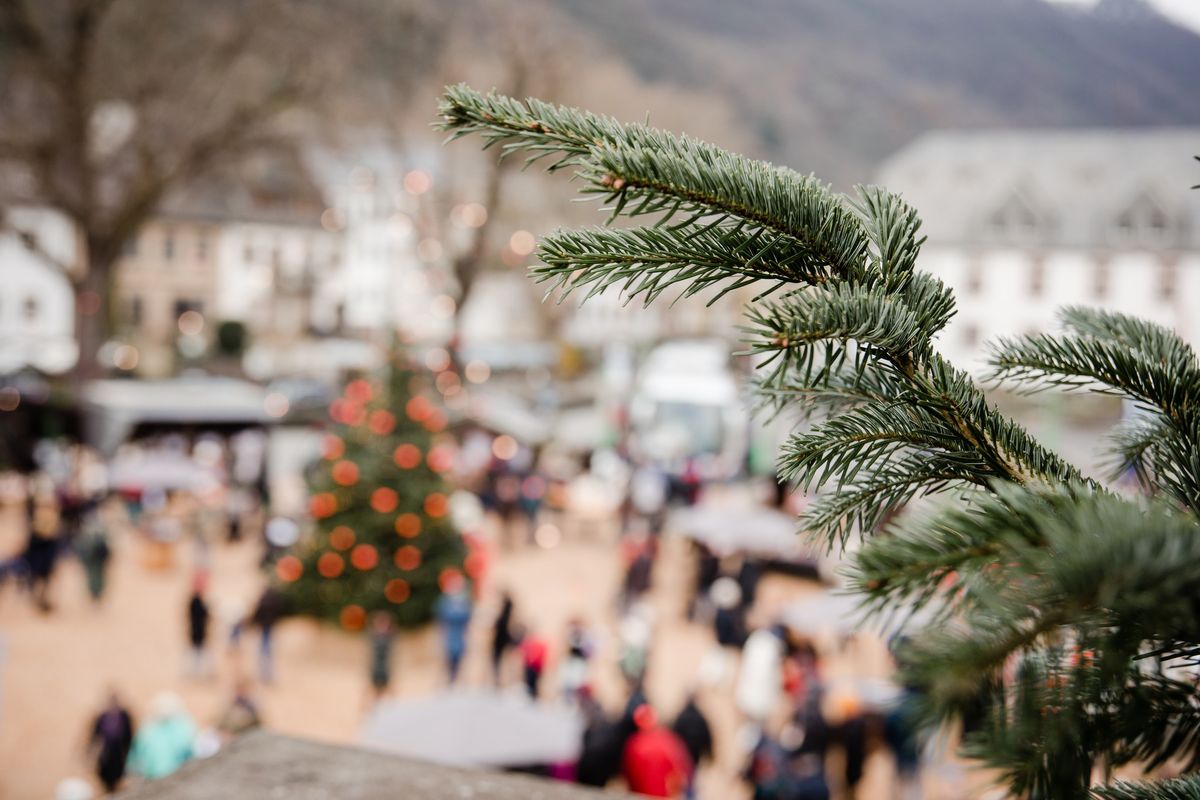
(382, 538)
(1066, 614)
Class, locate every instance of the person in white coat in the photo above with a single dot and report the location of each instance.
(760, 683)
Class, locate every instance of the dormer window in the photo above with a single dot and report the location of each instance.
(1018, 218)
(1143, 221)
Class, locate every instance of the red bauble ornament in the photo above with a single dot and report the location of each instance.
(407, 456)
(289, 568)
(345, 473)
(397, 590)
(322, 505)
(341, 538)
(408, 525)
(440, 458)
(436, 505)
(384, 500)
(381, 422)
(418, 408)
(353, 618)
(332, 447)
(364, 557)
(408, 557)
(337, 412)
(330, 565)
(359, 391)
(435, 421)
(354, 413)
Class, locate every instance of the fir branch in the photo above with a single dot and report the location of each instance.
(1184, 788)
(661, 173)
(647, 261)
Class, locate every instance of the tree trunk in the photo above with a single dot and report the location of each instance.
(92, 297)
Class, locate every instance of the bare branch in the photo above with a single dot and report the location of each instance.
(33, 244)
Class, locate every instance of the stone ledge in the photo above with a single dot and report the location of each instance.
(263, 766)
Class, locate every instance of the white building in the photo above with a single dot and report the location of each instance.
(1021, 223)
(37, 303)
(381, 284)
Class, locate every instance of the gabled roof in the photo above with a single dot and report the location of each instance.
(1076, 183)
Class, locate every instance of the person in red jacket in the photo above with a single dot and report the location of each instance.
(655, 762)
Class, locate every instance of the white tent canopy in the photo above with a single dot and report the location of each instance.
(475, 728)
(114, 408)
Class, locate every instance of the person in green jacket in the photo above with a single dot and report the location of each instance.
(164, 742)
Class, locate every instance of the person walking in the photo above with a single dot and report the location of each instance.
(692, 728)
(534, 652)
(164, 743)
(41, 548)
(502, 635)
(94, 552)
(198, 619)
(575, 665)
(760, 683)
(453, 612)
(270, 608)
(655, 761)
(111, 739)
(381, 652)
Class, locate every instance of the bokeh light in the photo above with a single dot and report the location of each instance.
(417, 182)
(364, 557)
(408, 525)
(341, 538)
(408, 557)
(191, 323)
(407, 456)
(276, 405)
(353, 618)
(330, 565)
(477, 371)
(289, 569)
(397, 590)
(522, 242)
(345, 473)
(384, 500)
(505, 447)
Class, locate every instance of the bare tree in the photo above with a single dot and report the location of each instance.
(109, 105)
(524, 51)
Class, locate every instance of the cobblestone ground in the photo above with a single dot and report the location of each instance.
(55, 668)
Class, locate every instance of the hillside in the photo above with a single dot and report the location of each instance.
(833, 87)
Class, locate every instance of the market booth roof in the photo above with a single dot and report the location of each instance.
(113, 409)
(265, 765)
(475, 728)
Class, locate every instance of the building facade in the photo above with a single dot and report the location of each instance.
(1022, 223)
(37, 302)
(221, 253)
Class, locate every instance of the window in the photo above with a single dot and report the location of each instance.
(1166, 281)
(183, 306)
(1143, 221)
(974, 282)
(30, 309)
(1016, 217)
(1101, 278)
(1037, 276)
(168, 245)
(202, 246)
(136, 310)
